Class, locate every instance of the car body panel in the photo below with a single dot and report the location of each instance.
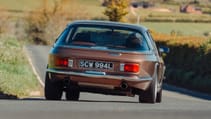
(107, 77)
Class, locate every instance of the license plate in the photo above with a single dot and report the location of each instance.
(96, 64)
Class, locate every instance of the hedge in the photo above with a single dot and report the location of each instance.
(189, 61)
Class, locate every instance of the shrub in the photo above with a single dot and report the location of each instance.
(189, 61)
(206, 10)
(38, 22)
(45, 24)
(116, 9)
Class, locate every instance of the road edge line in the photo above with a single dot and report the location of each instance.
(32, 66)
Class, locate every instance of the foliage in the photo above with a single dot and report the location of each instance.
(189, 61)
(45, 24)
(16, 76)
(116, 9)
(39, 20)
(206, 10)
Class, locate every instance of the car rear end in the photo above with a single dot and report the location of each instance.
(96, 58)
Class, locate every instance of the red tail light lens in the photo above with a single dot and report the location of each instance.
(134, 68)
(63, 62)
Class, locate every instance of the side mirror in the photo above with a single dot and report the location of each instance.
(164, 49)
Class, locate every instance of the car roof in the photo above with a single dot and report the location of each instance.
(109, 23)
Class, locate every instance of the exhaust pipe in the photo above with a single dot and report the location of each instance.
(124, 85)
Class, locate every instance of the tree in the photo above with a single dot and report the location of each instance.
(116, 9)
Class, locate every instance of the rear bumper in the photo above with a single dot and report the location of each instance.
(91, 75)
(102, 80)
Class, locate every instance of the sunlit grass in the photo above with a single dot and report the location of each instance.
(16, 76)
(20, 4)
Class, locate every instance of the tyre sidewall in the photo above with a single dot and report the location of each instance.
(53, 89)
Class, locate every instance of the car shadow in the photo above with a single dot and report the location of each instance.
(94, 101)
(98, 101)
(187, 92)
(7, 96)
(14, 98)
(165, 87)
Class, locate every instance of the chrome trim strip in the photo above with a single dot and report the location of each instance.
(129, 78)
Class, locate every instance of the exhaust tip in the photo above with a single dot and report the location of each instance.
(124, 85)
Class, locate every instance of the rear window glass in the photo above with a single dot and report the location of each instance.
(106, 37)
(61, 39)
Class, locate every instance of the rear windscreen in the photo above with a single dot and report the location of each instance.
(106, 37)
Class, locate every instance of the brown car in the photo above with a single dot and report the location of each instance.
(105, 57)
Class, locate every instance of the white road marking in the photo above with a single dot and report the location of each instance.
(33, 68)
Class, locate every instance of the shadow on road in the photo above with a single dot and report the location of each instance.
(186, 92)
(95, 101)
(6, 96)
(165, 87)
(107, 101)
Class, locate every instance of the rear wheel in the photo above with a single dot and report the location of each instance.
(159, 96)
(72, 91)
(53, 89)
(150, 95)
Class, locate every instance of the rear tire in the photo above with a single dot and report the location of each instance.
(72, 92)
(159, 96)
(150, 95)
(53, 89)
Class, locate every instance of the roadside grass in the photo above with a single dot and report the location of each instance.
(16, 76)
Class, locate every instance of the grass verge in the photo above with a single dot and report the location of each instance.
(16, 76)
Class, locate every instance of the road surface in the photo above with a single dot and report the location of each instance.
(177, 104)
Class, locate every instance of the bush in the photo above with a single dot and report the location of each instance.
(189, 61)
(39, 21)
(176, 17)
(116, 9)
(206, 11)
(45, 24)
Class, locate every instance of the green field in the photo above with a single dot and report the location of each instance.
(94, 10)
(193, 29)
(33, 4)
(20, 4)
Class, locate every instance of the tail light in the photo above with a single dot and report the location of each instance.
(130, 67)
(56, 61)
(63, 62)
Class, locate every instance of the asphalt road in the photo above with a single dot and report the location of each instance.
(177, 103)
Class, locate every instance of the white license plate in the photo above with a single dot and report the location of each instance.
(95, 64)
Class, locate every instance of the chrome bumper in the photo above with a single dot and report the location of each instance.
(93, 74)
